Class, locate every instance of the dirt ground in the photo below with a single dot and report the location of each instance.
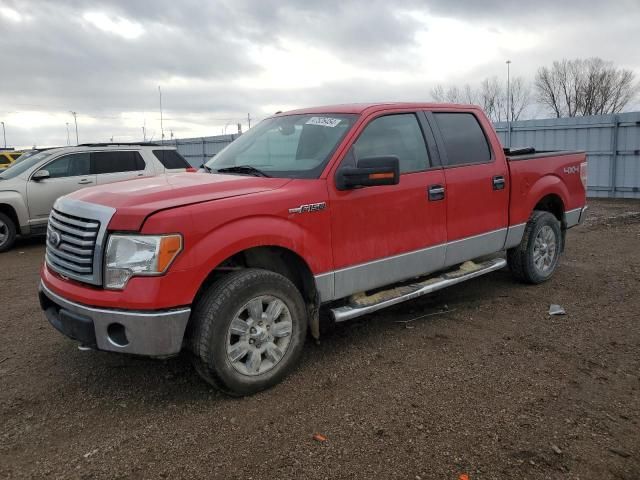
(493, 388)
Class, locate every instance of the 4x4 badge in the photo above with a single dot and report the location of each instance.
(311, 207)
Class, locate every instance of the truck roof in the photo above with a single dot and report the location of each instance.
(360, 108)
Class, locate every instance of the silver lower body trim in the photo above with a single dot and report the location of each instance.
(386, 271)
(576, 216)
(514, 235)
(153, 333)
(583, 214)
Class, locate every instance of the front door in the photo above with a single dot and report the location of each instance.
(385, 234)
(66, 174)
(476, 187)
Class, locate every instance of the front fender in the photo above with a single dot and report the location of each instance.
(14, 199)
(259, 231)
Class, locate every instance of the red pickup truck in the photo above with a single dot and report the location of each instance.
(342, 209)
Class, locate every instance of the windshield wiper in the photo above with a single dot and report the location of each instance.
(247, 169)
(206, 167)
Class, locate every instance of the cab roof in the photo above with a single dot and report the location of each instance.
(360, 108)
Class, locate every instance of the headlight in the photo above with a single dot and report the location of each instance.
(133, 255)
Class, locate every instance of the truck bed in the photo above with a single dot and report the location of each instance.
(529, 153)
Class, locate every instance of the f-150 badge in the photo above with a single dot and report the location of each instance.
(311, 207)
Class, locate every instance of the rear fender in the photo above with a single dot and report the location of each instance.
(547, 185)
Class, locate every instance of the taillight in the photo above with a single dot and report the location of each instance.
(583, 174)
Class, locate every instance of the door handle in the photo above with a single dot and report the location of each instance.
(85, 181)
(436, 192)
(498, 182)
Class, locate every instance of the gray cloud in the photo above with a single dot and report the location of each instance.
(58, 62)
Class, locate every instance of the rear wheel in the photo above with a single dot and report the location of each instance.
(8, 232)
(248, 331)
(536, 258)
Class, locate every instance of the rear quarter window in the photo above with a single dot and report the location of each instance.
(464, 140)
(171, 159)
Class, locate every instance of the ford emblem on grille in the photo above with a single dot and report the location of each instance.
(54, 238)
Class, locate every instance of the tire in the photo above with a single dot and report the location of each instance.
(226, 357)
(535, 263)
(8, 232)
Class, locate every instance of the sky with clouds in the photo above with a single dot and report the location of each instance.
(218, 60)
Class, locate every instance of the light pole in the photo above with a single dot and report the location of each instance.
(508, 101)
(4, 135)
(68, 139)
(161, 125)
(75, 119)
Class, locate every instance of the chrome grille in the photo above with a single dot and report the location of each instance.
(71, 243)
(76, 236)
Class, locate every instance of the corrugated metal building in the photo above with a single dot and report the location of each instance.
(200, 149)
(612, 143)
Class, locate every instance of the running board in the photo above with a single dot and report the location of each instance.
(362, 304)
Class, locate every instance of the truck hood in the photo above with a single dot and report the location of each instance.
(135, 200)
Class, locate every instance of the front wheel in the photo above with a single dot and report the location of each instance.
(8, 232)
(536, 258)
(248, 331)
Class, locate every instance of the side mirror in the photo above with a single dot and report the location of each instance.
(40, 175)
(369, 172)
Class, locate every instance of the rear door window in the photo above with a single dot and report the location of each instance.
(171, 159)
(464, 139)
(116, 162)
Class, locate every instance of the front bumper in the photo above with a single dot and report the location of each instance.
(152, 333)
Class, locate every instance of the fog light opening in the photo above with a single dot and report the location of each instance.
(117, 335)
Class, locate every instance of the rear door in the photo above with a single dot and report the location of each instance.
(114, 166)
(66, 174)
(476, 190)
(384, 234)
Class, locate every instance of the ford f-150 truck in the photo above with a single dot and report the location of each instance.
(342, 209)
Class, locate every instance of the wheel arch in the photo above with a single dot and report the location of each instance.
(278, 259)
(553, 204)
(550, 194)
(10, 212)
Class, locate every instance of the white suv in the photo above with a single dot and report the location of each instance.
(28, 189)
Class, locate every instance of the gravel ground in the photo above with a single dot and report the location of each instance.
(490, 386)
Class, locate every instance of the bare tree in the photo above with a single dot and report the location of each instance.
(520, 95)
(491, 98)
(571, 88)
(453, 94)
(491, 95)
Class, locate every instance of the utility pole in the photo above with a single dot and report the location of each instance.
(4, 135)
(161, 124)
(508, 101)
(75, 119)
(144, 130)
(68, 139)
(248, 121)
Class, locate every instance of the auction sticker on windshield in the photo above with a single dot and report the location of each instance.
(323, 121)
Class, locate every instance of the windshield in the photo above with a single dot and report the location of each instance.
(24, 165)
(294, 146)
